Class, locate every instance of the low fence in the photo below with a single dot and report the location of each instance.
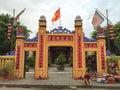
(6, 59)
(7, 67)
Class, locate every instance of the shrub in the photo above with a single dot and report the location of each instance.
(31, 61)
(27, 68)
(60, 59)
(7, 70)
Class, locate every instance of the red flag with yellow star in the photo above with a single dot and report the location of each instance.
(56, 16)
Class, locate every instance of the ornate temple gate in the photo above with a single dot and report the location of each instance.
(58, 37)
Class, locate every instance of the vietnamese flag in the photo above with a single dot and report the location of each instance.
(56, 15)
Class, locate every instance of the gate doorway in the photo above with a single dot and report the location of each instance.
(53, 53)
(29, 63)
(91, 61)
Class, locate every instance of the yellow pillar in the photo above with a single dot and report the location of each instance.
(101, 63)
(78, 49)
(19, 59)
(41, 61)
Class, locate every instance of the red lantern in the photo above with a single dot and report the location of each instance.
(111, 32)
(9, 31)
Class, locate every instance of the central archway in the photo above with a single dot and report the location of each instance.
(53, 53)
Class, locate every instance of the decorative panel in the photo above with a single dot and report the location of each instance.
(30, 45)
(102, 57)
(79, 51)
(18, 58)
(41, 51)
(90, 45)
(60, 38)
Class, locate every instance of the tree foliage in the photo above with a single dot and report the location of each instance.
(61, 59)
(93, 34)
(114, 44)
(5, 44)
(117, 34)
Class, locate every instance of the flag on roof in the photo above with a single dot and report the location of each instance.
(56, 15)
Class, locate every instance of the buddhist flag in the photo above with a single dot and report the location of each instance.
(56, 16)
(97, 19)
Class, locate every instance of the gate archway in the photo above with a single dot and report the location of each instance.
(58, 37)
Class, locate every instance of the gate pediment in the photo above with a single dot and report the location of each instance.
(60, 30)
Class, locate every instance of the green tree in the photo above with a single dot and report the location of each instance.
(5, 44)
(117, 34)
(117, 38)
(114, 44)
(94, 34)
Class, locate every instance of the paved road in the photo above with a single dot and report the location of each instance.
(5, 88)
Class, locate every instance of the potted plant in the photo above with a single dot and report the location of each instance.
(60, 61)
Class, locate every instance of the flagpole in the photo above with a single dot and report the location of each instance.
(60, 21)
(104, 15)
(60, 17)
(12, 28)
(108, 29)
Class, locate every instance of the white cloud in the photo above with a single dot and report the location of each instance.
(69, 10)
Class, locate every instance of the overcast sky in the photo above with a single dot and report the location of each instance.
(69, 10)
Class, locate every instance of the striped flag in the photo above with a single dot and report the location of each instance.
(97, 19)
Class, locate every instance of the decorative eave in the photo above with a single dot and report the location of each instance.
(100, 36)
(34, 39)
(60, 30)
(86, 39)
(20, 37)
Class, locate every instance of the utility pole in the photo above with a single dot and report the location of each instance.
(14, 22)
(108, 30)
(12, 29)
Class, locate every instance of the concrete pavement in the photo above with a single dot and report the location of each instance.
(62, 79)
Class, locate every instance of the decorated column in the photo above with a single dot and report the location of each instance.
(78, 50)
(19, 53)
(41, 62)
(101, 51)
